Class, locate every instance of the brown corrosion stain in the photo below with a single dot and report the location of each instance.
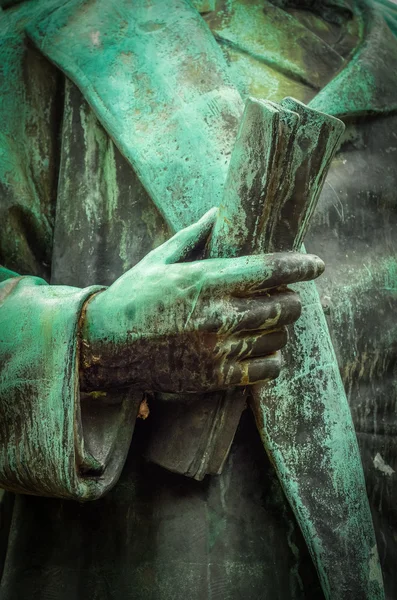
(144, 410)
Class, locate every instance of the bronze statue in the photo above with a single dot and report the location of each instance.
(122, 131)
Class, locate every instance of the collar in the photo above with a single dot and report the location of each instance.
(368, 83)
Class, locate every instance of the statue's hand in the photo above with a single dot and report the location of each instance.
(196, 326)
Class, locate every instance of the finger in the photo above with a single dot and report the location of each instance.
(183, 242)
(251, 274)
(251, 371)
(254, 346)
(229, 316)
(267, 312)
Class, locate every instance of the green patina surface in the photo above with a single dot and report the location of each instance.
(175, 121)
(38, 386)
(306, 427)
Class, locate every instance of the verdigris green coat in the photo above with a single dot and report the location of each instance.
(170, 535)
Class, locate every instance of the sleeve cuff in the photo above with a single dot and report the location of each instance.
(54, 441)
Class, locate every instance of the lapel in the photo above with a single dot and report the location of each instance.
(159, 85)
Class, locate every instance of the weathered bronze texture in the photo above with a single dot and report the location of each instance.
(122, 127)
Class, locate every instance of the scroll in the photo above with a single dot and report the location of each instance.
(278, 165)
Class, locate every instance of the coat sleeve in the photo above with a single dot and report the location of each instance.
(53, 441)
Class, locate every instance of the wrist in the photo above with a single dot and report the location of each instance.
(89, 354)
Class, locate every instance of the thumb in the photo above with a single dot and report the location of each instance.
(183, 242)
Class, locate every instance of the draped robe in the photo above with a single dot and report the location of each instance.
(91, 203)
